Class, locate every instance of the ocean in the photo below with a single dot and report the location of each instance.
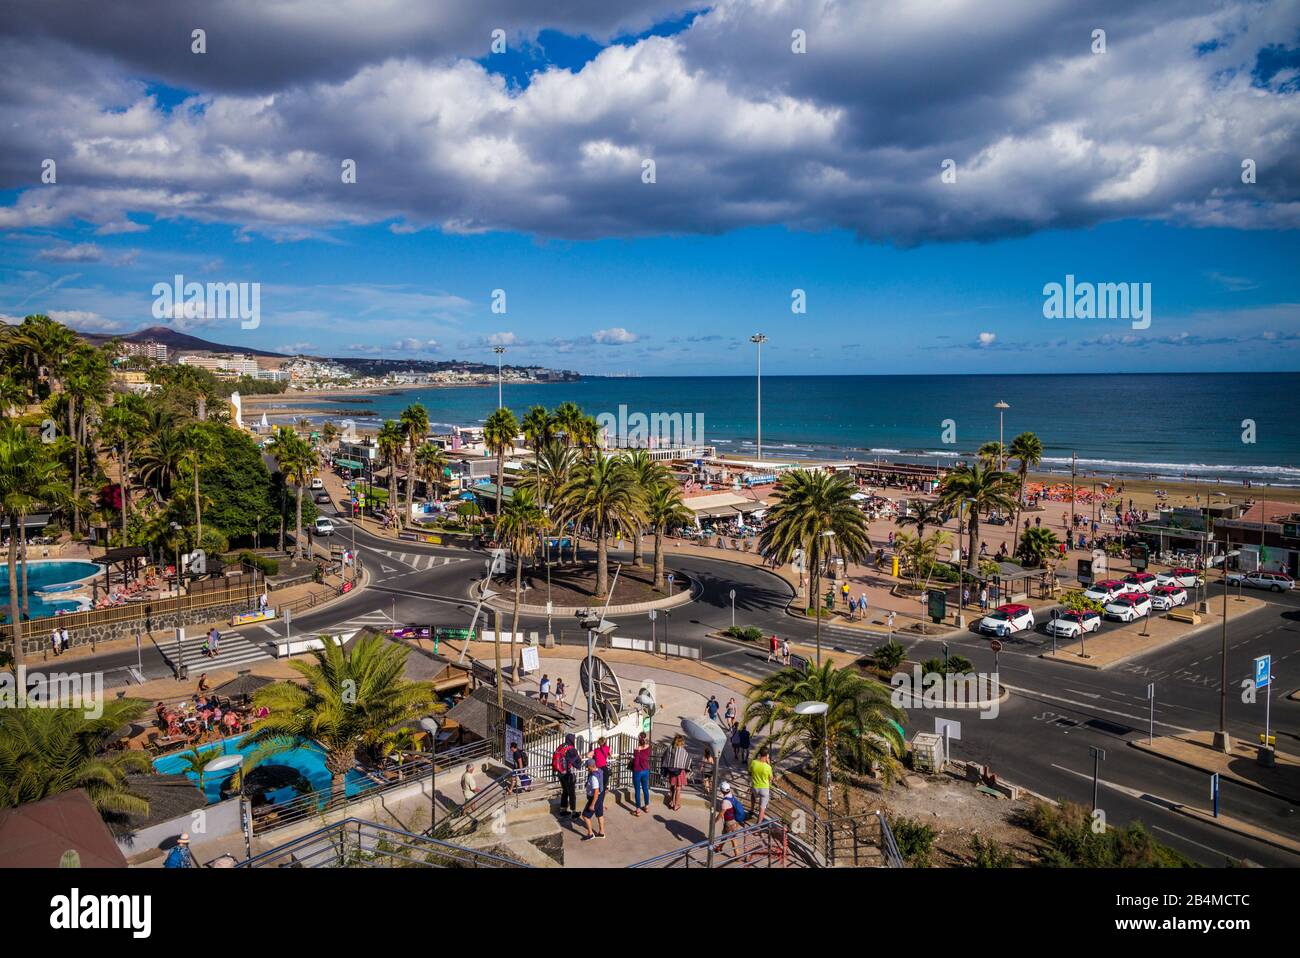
(1217, 426)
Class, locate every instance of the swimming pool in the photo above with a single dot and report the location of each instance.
(61, 575)
(309, 762)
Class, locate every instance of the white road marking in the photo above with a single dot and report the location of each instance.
(1091, 705)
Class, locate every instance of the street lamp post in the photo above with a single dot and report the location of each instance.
(1001, 407)
(710, 737)
(758, 339)
(1098, 756)
(431, 726)
(821, 708)
(498, 350)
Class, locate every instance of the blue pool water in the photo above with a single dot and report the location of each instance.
(310, 762)
(46, 574)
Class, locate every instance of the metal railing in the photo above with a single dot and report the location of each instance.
(314, 804)
(762, 844)
(356, 843)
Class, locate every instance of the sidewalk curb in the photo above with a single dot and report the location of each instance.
(1236, 779)
(1238, 828)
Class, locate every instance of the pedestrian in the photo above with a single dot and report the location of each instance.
(595, 807)
(544, 689)
(729, 715)
(760, 780)
(965, 596)
(785, 651)
(207, 640)
(262, 601)
(844, 590)
(601, 754)
(712, 708)
(984, 598)
(559, 694)
(729, 814)
(641, 775)
(180, 856)
(519, 762)
(675, 764)
(54, 641)
(862, 604)
(740, 744)
(215, 643)
(889, 620)
(565, 763)
(203, 682)
(467, 783)
(775, 650)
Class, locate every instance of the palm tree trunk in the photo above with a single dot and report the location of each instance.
(15, 622)
(297, 519)
(198, 509)
(73, 424)
(392, 486)
(659, 559)
(501, 478)
(636, 545)
(22, 532)
(602, 564)
(973, 559)
(125, 464)
(514, 622)
(815, 604)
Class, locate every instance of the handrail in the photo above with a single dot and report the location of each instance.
(766, 828)
(401, 844)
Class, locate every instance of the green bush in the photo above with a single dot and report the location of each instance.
(263, 564)
(748, 633)
(957, 665)
(915, 840)
(1072, 840)
(986, 853)
(889, 656)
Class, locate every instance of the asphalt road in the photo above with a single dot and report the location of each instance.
(1039, 739)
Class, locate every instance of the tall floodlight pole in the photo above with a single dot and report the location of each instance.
(499, 350)
(758, 339)
(1001, 407)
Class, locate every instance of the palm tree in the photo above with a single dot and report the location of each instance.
(649, 474)
(992, 453)
(123, 422)
(1027, 450)
(499, 437)
(1037, 545)
(920, 555)
(983, 488)
(45, 752)
(200, 448)
(352, 700)
(29, 476)
(160, 461)
(329, 432)
(812, 507)
(554, 464)
(197, 762)
(430, 461)
(664, 510)
(605, 495)
(568, 419)
(517, 528)
(923, 515)
(296, 459)
(391, 439)
(85, 387)
(414, 421)
(860, 728)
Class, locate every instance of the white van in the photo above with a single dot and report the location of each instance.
(317, 483)
(324, 527)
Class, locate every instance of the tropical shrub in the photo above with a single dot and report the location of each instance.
(915, 840)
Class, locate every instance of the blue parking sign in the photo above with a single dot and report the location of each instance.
(1263, 670)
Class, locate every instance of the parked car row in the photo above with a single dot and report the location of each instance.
(1276, 581)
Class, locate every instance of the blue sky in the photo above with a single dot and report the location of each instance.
(522, 172)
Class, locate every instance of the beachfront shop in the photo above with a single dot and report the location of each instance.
(1271, 546)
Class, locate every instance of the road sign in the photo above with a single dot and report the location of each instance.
(995, 645)
(1214, 792)
(937, 604)
(950, 727)
(1263, 671)
(654, 614)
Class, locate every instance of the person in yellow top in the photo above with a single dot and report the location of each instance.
(760, 779)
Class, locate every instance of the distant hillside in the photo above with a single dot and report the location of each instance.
(176, 341)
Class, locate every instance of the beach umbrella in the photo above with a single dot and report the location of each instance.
(242, 685)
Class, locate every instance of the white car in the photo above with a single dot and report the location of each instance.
(1140, 581)
(324, 526)
(1069, 625)
(1165, 597)
(1129, 607)
(1006, 619)
(1182, 577)
(317, 483)
(1277, 581)
(1105, 590)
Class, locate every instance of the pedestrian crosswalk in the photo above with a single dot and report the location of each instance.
(421, 561)
(233, 650)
